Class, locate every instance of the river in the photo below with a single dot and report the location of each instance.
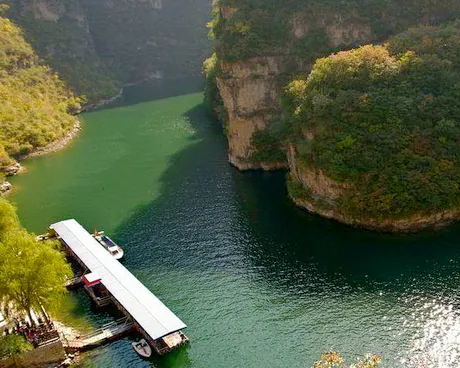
(259, 282)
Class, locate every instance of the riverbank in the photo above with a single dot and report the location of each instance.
(57, 145)
(112, 100)
(6, 187)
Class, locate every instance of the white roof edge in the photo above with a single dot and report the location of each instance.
(146, 309)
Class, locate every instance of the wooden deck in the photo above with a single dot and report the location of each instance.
(108, 332)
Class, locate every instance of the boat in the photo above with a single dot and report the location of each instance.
(43, 237)
(111, 247)
(142, 348)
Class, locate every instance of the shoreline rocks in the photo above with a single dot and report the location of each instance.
(415, 223)
(12, 170)
(56, 145)
(5, 187)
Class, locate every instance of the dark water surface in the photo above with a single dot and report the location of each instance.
(259, 282)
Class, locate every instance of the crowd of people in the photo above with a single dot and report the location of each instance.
(36, 334)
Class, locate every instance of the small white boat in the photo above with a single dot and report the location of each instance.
(111, 247)
(43, 237)
(142, 348)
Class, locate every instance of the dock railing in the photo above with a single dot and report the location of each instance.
(73, 282)
(107, 332)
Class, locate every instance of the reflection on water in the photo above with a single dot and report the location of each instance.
(436, 340)
(259, 282)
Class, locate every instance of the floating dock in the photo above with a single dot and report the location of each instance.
(108, 281)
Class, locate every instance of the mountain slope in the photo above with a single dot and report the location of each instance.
(36, 105)
(97, 46)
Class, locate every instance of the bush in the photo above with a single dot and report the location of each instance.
(267, 147)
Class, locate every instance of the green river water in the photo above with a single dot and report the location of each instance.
(260, 283)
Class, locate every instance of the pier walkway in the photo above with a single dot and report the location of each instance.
(108, 332)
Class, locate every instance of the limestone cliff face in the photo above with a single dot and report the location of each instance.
(251, 92)
(251, 87)
(321, 195)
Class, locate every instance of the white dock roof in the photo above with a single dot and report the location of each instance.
(145, 308)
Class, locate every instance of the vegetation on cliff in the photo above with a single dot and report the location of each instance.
(385, 120)
(249, 28)
(36, 105)
(261, 45)
(212, 98)
(97, 46)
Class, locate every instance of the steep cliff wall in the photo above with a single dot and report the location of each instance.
(261, 44)
(97, 46)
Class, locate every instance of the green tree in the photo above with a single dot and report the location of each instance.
(8, 219)
(12, 346)
(32, 274)
(5, 160)
(334, 360)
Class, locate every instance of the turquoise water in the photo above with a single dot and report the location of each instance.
(259, 282)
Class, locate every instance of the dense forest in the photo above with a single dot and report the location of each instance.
(261, 45)
(36, 106)
(264, 27)
(385, 121)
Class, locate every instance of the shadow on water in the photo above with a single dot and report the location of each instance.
(282, 237)
(184, 166)
(335, 255)
(210, 220)
(149, 247)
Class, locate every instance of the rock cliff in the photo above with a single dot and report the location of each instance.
(260, 45)
(251, 92)
(312, 190)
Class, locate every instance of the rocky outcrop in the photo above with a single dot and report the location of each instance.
(11, 170)
(321, 195)
(5, 187)
(251, 91)
(251, 86)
